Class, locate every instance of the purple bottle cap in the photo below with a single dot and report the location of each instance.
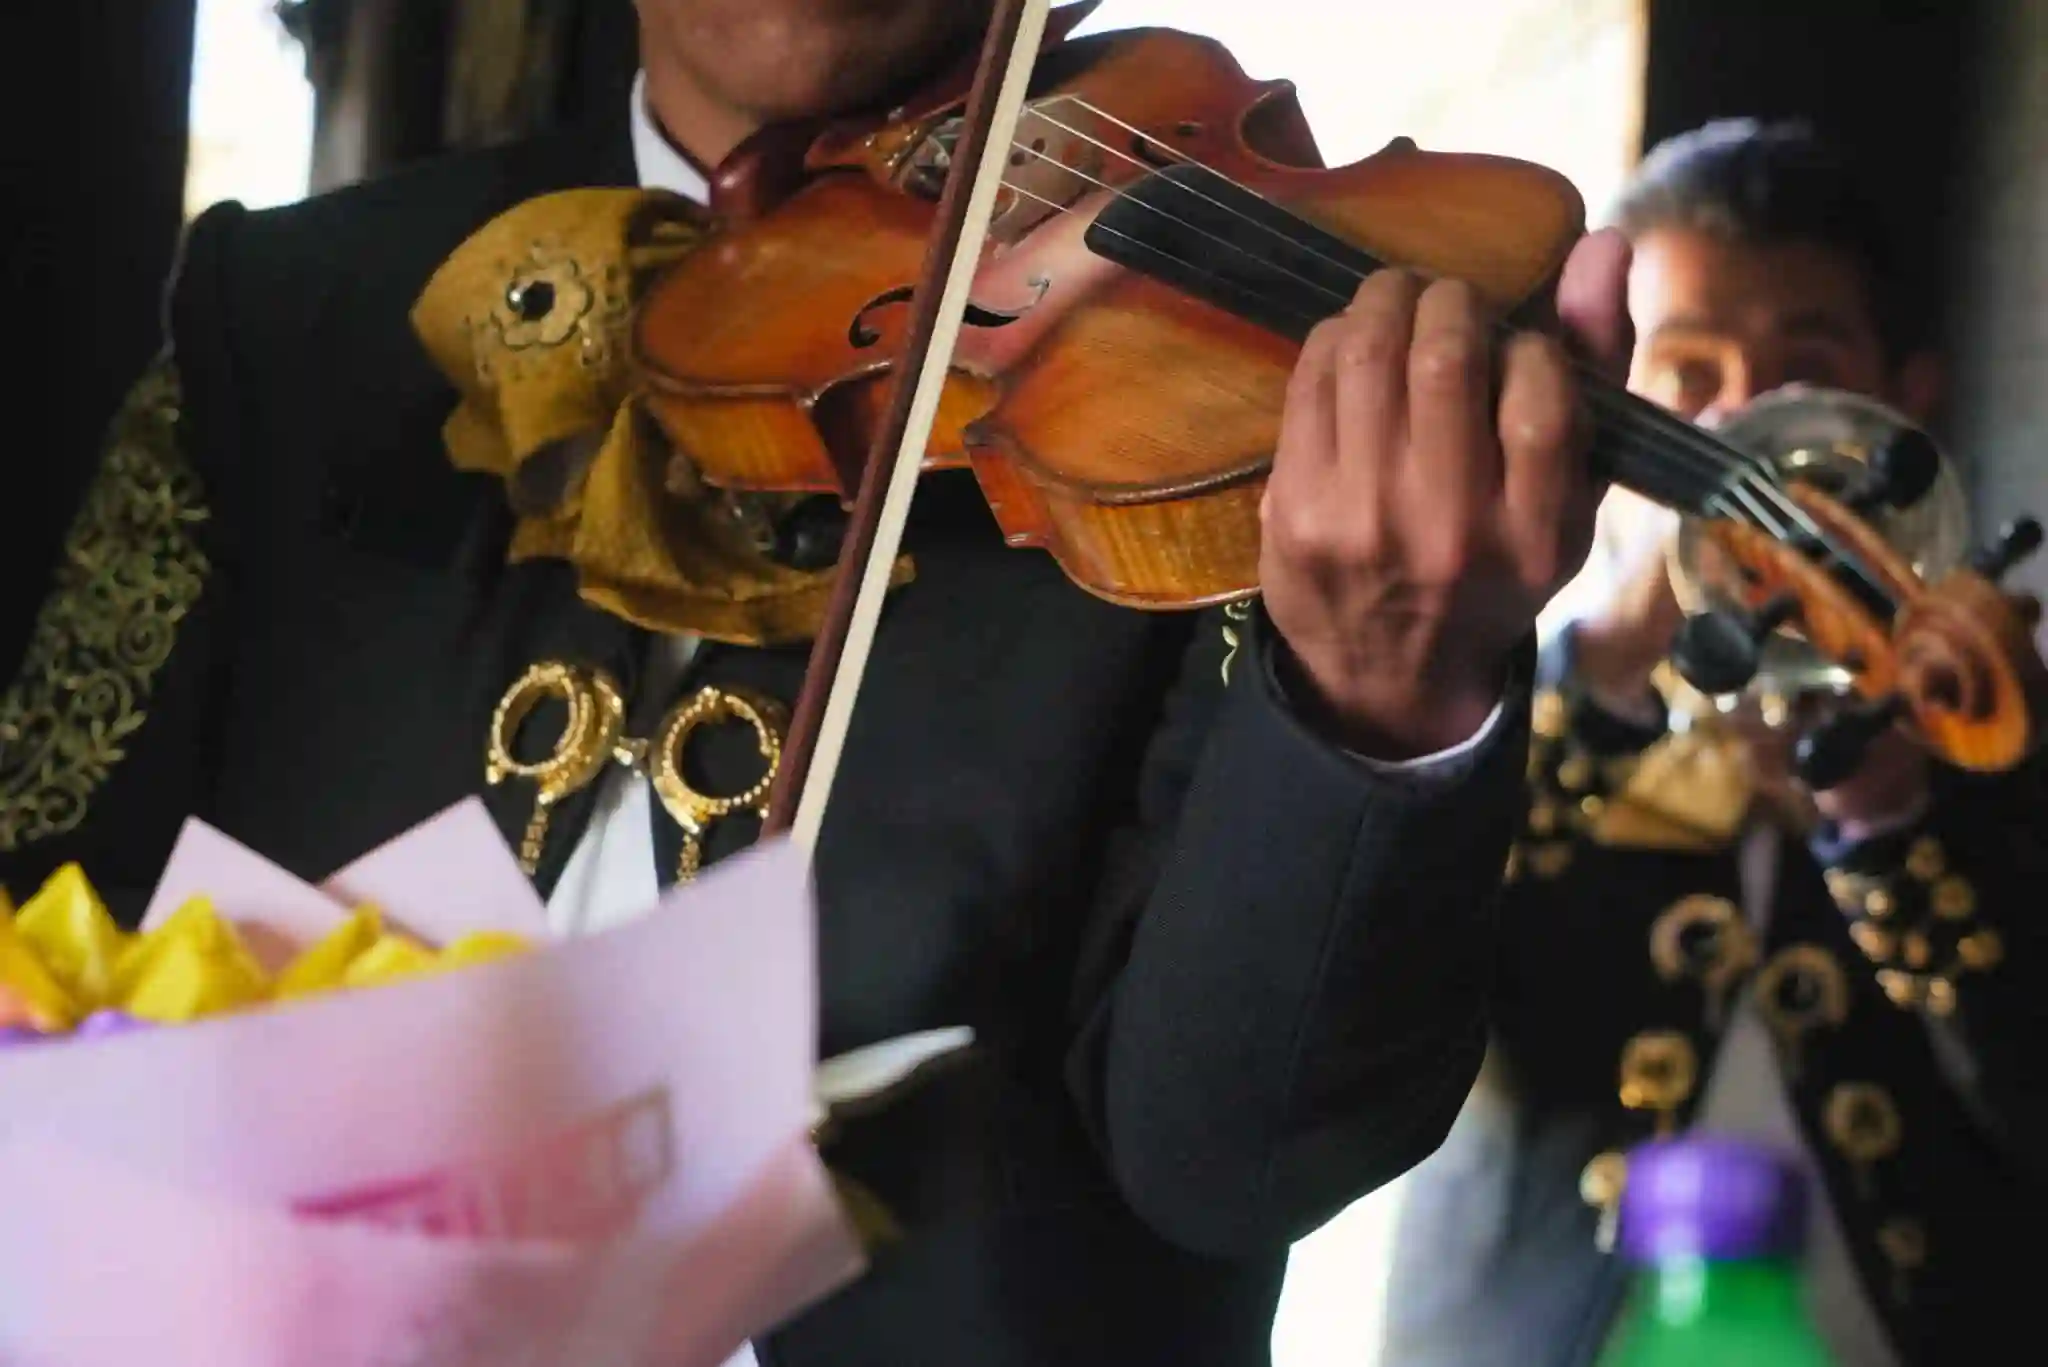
(21, 1034)
(1711, 1196)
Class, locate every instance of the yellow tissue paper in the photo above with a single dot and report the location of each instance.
(323, 967)
(30, 996)
(72, 932)
(62, 958)
(480, 946)
(393, 957)
(192, 965)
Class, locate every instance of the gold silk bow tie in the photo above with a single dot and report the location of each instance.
(1690, 790)
(1698, 786)
(530, 320)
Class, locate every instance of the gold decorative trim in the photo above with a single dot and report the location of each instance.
(1864, 1126)
(1926, 861)
(590, 739)
(1953, 899)
(132, 570)
(1659, 1069)
(1902, 988)
(1863, 1121)
(594, 737)
(1801, 990)
(1903, 1242)
(1601, 1183)
(1235, 616)
(1705, 938)
(695, 811)
(1981, 951)
(1879, 945)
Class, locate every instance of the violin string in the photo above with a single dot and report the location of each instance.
(1305, 320)
(1644, 429)
(1716, 456)
(1722, 457)
(1722, 453)
(1719, 454)
(1624, 421)
(1764, 500)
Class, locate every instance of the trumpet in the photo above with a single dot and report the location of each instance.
(1884, 470)
(1862, 454)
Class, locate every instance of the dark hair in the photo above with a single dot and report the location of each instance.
(1774, 183)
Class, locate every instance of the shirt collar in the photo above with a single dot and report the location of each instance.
(656, 162)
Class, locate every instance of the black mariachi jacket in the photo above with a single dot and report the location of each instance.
(1227, 979)
(1905, 984)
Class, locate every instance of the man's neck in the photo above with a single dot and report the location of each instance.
(704, 131)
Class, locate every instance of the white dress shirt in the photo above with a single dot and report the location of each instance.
(611, 875)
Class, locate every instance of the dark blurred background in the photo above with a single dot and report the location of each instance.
(1947, 98)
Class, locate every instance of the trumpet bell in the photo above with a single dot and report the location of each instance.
(1828, 439)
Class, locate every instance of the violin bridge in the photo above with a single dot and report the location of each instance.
(1063, 152)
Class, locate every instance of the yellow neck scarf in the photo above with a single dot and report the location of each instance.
(530, 320)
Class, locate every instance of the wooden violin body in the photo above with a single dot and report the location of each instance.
(1115, 419)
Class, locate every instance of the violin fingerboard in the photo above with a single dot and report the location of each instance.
(1209, 238)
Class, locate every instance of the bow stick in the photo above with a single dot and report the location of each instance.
(881, 510)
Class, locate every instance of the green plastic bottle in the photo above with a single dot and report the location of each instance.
(1715, 1228)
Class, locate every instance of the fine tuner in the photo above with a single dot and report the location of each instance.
(1745, 632)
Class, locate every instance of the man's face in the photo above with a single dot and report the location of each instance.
(1719, 323)
(779, 60)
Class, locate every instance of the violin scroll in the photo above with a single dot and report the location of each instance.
(1917, 631)
(1973, 682)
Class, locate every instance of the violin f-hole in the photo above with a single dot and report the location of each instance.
(863, 336)
(1152, 152)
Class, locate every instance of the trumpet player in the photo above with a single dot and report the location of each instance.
(1695, 937)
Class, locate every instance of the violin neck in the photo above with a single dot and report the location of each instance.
(1204, 235)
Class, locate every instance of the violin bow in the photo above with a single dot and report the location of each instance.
(881, 509)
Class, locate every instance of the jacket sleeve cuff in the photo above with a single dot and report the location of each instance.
(1443, 767)
(1601, 731)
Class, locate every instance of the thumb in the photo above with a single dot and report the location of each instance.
(1592, 301)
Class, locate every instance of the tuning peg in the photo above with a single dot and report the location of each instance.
(1831, 753)
(2019, 539)
(1719, 652)
(1899, 473)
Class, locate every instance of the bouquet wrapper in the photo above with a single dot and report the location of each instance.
(592, 1154)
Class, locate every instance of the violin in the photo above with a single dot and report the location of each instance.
(1085, 273)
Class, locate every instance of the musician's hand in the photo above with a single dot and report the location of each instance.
(1619, 647)
(1429, 495)
(1888, 788)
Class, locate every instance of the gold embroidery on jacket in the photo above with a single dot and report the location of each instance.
(1235, 615)
(131, 570)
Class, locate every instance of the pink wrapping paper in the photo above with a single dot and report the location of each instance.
(598, 1149)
